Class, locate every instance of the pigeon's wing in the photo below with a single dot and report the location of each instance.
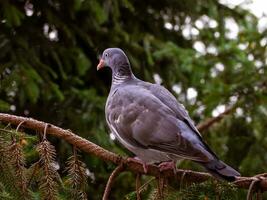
(181, 113)
(140, 119)
(169, 100)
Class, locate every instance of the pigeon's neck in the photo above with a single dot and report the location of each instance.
(122, 74)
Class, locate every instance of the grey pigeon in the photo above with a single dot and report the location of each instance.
(147, 119)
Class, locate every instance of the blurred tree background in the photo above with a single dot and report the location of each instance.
(211, 56)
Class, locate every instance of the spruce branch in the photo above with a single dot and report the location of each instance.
(7, 175)
(130, 165)
(77, 177)
(48, 183)
(18, 163)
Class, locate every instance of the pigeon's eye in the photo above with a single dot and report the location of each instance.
(106, 54)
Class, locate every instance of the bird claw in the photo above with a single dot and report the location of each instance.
(167, 165)
(136, 159)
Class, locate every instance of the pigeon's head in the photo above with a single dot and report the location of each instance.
(113, 58)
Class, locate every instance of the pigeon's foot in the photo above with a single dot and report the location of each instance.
(136, 159)
(167, 165)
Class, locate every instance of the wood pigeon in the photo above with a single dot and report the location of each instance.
(147, 119)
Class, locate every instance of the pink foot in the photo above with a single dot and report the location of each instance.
(167, 165)
(136, 159)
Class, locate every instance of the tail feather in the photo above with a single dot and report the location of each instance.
(221, 170)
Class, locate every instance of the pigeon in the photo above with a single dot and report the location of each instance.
(148, 120)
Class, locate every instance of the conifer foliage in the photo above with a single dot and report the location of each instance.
(38, 179)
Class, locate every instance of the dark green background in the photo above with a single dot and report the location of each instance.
(55, 80)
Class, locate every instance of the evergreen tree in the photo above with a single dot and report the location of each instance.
(209, 55)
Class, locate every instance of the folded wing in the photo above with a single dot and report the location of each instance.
(142, 119)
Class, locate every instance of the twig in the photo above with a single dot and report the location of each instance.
(250, 189)
(137, 186)
(17, 129)
(113, 175)
(45, 130)
(259, 195)
(36, 165)
(7, 126)
(144, 186)
(130, 165)
(160, 187)
(182, 179)
(209, 122)
(256, 179)
(7, 131)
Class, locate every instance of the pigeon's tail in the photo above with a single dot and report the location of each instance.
(221, 170)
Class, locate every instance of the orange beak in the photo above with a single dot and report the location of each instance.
(101, 64)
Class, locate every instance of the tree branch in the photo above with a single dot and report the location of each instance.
(209, 122)
(130, 165)
(113, 175)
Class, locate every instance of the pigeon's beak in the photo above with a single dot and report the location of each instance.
(101, 64)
